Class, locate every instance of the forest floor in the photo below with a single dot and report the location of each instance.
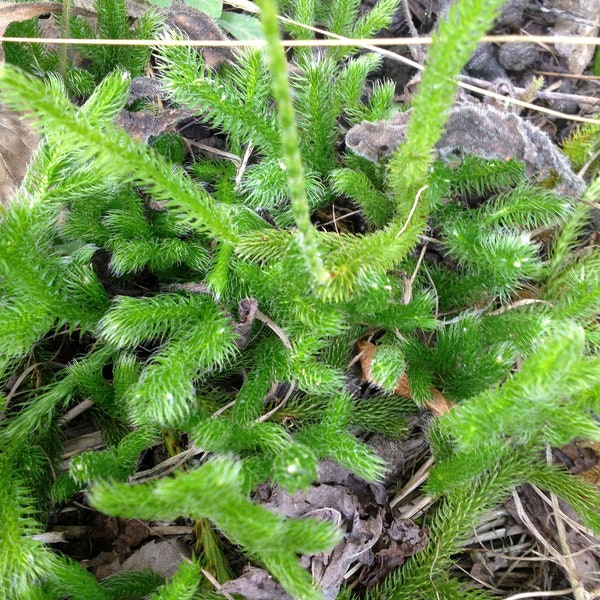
(532, 546)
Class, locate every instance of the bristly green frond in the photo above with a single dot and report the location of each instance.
(113, 23)
(84, 299)
(475, 176)
(308, 246)
(81, 378)
(466, 362)
(339, 16)
(165, 391)
(384, 414)
(264, 186)
(378, 18)
(583, 497)
(132, 583)
(539, 396)
(582, 145)
(29, 265)
(34, 58)
(569, 238)
(349, 272)
(376, 206)
(270, 362)
(130, 256)
(526, 207)
(213, 491)
(22, 323)
(108, 99)
(463, 469)
(380, 102)
(23, 560)
(234, 102)
(452, 47)
(131, 321)
(69, 578)
(330, 438)
(295, 467)
(115, 464)
(39, 60)
(574, 291)
(182, 586)
(505, 257)
(317, 111)
(388, 366)
(147, 27)
(302, 11)
(349, 85)
(520, 328)
(114, 151)
(455, 518)
(267, 245)
(314, 377)
(384, 306)
(217, 278)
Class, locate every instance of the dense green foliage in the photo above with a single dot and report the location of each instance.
(147, 270)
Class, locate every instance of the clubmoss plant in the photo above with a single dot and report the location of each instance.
(189, 295)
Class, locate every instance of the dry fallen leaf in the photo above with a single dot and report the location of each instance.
(143, 125)
(374, 541)
(198, 26)
(438, 404)
(163, 557)
(21, 11)
(17, 144)
(17, 140)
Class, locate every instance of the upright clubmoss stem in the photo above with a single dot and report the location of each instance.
(307, 238)
(64, 33)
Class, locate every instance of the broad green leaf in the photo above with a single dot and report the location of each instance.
(212, 8)
(241, 27)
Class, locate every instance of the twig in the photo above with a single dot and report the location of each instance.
(216, 584)
(412, 211)
(275, 328)
(524, 595)
(76, 411)
(414, 482)
(543, 94)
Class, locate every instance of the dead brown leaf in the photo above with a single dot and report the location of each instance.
(438, 404)
(21, 11)
(255, 584)
(199, 26)
(17, 144)
(143, 125)
(163, 557)
(373, 540)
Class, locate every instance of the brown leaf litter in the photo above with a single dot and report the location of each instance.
(374, 542)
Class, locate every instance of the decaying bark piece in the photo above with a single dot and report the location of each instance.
(143, 125)
(480, 129)
(575, 18)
